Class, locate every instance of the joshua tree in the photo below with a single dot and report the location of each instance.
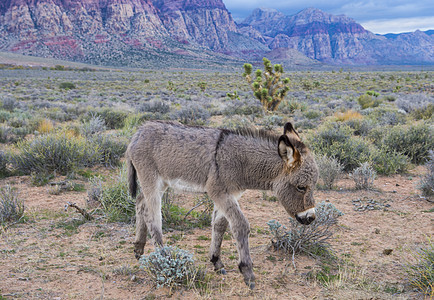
(267, 85)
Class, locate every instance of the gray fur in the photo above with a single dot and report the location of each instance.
(224, 164)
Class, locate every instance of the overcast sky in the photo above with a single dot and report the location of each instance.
(380, 16)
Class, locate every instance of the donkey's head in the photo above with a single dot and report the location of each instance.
(295, 184)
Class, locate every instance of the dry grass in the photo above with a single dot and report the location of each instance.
(347, 115)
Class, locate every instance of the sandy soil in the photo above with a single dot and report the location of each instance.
(47, 257)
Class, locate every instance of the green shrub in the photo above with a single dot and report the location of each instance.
(192, 115)
(423, 113)
(415, 141)
(4, 159)
(11, 206)
(113, 119)
(172, 267)
(54, 153)
(389, 162)
(367, 101)
(112, 148)
(337, 140)
(67, 85)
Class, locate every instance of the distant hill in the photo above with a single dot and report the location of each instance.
(188, 33)
(336, 39)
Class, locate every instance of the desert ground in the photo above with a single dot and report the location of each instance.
(53, 252)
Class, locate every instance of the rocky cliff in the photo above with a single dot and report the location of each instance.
(335, 39)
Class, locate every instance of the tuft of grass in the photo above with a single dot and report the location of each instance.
(421, 274)
(114, 197)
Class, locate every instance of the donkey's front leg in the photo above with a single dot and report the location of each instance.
(240, 229)
(219, 225)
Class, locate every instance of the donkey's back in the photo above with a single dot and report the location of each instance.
(178, 155)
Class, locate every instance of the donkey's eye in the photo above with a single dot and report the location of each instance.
(301, 189)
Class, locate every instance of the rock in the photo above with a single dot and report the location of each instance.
(387, 251)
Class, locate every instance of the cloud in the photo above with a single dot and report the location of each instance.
(399, 25)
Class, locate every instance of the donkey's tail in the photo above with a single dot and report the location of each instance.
(132, 178)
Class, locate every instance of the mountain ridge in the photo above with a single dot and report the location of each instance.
(137, 32)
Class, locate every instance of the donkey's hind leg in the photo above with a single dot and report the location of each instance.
(152, 213)
(219, 225)
(141, 229)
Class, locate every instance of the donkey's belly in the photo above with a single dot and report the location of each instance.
(185, 186)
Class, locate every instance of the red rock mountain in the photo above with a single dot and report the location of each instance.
(151, 32)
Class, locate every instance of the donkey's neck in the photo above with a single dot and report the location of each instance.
(249, 162)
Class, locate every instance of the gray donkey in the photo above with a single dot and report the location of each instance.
(224, 164)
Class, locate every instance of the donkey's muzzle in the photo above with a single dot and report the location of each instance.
(306, 217)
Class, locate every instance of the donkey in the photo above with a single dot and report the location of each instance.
(222, 163)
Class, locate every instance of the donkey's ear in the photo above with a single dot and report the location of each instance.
(289, 130)
(288, 152)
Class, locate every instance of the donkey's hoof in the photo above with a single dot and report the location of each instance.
(138, 253)
(250, 284)
(221, 271)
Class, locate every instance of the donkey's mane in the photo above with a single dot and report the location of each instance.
(254, 133)
(266, 135)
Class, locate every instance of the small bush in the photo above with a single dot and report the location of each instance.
(94, 125)
(45, 126)
(415, 141)
(330, 169)
(427, 183)
(4, 160)
(272, 121)
(192, 115)
(424, 113)
(172, 267)
(367, 101)
(156, 106)
(54, 153)
(348, 115)
(361, 127)
(364, 176)
(112, 148)
(113, 119)
(388, 162)
(337, 140)
(311, 240)
(67, 85)
(421, 274)
(11, 206)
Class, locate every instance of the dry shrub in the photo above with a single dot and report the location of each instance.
(45, 126)
(348, 115)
